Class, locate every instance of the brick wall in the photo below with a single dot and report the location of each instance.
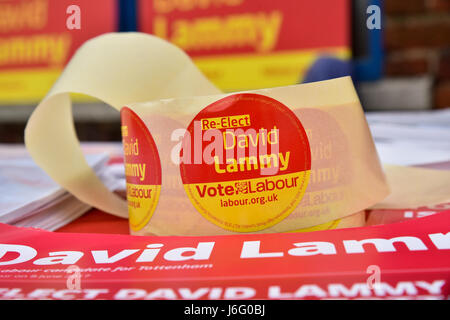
(417, 43)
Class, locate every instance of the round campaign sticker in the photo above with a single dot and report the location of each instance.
(142, 169)
(245, 162)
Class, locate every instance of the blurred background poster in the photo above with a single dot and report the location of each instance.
(37, 40)
(397, 52)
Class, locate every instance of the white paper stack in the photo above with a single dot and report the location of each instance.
(29, 198)
(411, 138)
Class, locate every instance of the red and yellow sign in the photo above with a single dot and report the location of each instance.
(36, 44)
(254, 169)
(247, 44)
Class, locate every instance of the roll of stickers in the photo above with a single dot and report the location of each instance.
(200, 162)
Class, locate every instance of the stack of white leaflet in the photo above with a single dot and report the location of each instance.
(411, 138)
(29, 198)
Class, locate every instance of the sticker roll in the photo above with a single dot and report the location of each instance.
(317, 164)
(325, 160)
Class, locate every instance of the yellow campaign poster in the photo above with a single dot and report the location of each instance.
(37, 39)
(243, 44)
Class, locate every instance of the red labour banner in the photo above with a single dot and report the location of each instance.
(243, 26)
(49, 39)
(402, 260)
(38, 38)
(245, 44)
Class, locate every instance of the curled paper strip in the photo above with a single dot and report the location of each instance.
(326, 156)
(415, 187)
(352, 221)
(117, 69)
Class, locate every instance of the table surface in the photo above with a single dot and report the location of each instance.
(96, 221)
